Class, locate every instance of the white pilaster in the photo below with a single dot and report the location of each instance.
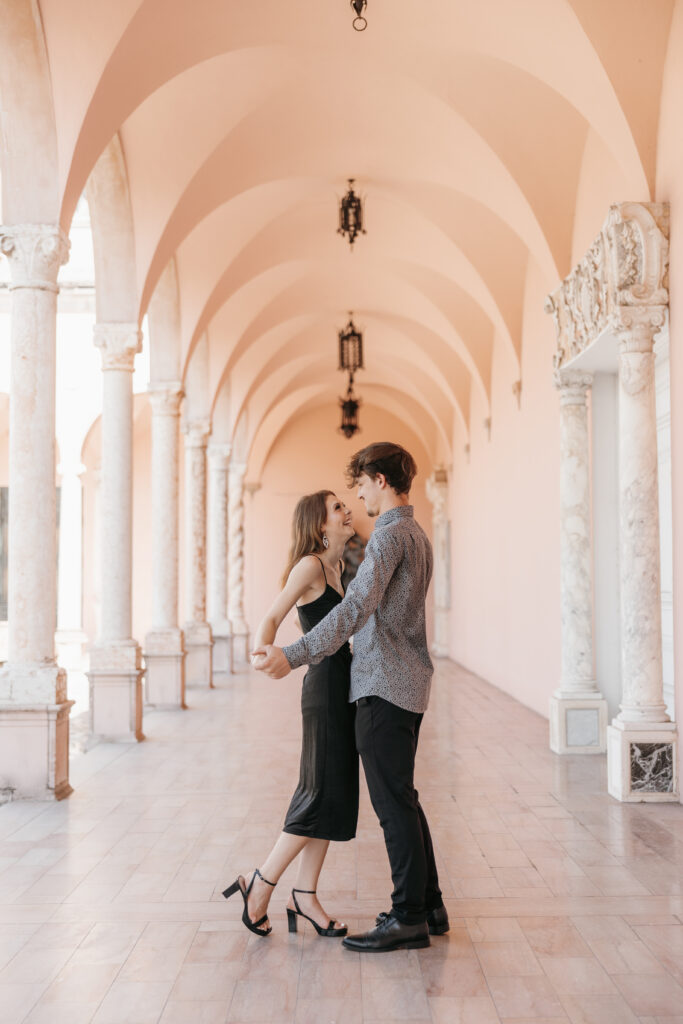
(219, 459)
(437, 492)
(198, 640)
(578, 711)
(642, 754)
(70, 636)
(34, 710)
(238, 623)
(115, 659)
(164, 644)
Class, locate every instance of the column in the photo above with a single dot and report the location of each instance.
(641, 754)
(198, 640)
(240, 629)
(70, 636)
(34, 710)
(115, 659)
(437, 492)
(578, 711)
(219, 459)
(164, 644)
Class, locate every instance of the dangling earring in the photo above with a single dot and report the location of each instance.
(326, 542)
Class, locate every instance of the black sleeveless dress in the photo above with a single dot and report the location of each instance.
(325, 802)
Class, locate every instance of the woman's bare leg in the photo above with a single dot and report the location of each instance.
(278, 860)
(310, 865)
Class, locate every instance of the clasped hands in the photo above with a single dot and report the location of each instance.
(271, 660)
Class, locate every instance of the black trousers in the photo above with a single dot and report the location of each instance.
(386, 737)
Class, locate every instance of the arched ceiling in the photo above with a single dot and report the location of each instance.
(465, 125)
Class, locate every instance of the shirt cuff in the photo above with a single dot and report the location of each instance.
(296, 653)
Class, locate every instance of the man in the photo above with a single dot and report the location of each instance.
(391, 671)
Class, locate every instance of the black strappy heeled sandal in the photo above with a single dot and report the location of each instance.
(253, 926)
(329, 932)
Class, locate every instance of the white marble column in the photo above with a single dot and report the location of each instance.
(642, 757)
(115, 659)
(70, 636)
(219, 459)
(198, 640)
(34, 710)
(437, 492)
(578, 711)
(164, 644)
(238, 623)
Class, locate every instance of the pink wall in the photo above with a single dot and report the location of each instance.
(309, 455)
(505, 616)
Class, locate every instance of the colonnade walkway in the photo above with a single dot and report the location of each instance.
(565, 905)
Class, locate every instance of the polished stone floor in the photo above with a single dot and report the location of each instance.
(565, 905)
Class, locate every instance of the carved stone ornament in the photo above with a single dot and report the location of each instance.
(196, 433)
(622, 279)
(165, 399)
(118, 344)
(35, 253)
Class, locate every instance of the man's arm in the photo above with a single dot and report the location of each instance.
(365, 592)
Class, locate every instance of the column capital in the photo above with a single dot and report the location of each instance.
(165, 397)
(119, 344)
(219, 455)
(239, 469)
(437, 492)
(573, 386)
(637, 326)
(196, 433)
(35, 253)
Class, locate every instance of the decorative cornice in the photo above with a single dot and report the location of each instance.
(165, 398)
(622, 281)
(35, 253)
(118, 344)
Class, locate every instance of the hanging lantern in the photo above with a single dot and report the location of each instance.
(349, 407)
(351, 215)
(350, 348)
(359, 22)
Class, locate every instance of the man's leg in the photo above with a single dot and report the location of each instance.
(386, 736)
(433, 896)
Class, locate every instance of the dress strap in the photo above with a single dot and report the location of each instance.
(322, 566)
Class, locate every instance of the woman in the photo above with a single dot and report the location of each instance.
(325, 803)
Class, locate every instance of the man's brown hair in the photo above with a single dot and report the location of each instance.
(393, 462)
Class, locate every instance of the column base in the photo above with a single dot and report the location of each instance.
(642, 761)
(164, 656)
(239, 652)
(115, 692)
(34, 735)
(578, 724)
(222, 644)
(198, 645)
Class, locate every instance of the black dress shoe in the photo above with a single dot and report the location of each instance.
(437, 920)
(387, 935)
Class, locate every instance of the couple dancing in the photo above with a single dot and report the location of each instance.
(371, 704)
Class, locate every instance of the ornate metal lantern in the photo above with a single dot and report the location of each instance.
(349, 407)
(359, 22)
(351, 215)
(350, 348)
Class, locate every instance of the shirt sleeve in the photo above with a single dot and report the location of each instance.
(382, 555)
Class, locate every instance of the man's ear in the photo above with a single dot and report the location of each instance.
(381, 480)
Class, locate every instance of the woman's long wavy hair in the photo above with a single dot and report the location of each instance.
(310, 516)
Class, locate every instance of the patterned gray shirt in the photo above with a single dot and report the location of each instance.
(384, 611)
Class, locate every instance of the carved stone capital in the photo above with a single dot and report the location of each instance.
(437, 492)
(238, 470)
(35, 253)
(165, 399)
(219, 456)
(196, 433)
(637, 327)
(621, 282)
(573, 386)
(118, 344)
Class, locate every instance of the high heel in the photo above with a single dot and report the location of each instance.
(329, 932)
(253, 926)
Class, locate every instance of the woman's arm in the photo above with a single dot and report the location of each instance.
(303, 575)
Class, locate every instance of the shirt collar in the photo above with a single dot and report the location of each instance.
(394, 514)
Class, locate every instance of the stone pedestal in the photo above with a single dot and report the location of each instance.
(437, 492)
(34, 711)
(238, 623)
(642, 754)
(219, 458)
(198, 640)
(115, 660)
(164, 644)
(578, 711)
